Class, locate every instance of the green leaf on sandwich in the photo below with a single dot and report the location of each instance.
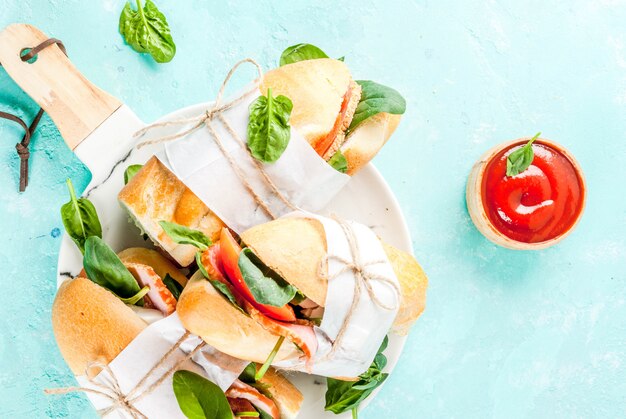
(266, 286)
(339, 162)
(301, 52)
(173, 286)
(268, 127)
(376, 98)
(218, 285)
(199, 398)
(342, 396)
(80, 219)
(185, 235)
(135, 298)
(131, 171)
(107, 270)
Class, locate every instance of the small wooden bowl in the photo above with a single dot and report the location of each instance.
(476, 209)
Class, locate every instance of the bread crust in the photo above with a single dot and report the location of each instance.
(366, 140)
(155, 194)
(316, 89)
(206, 313)
(286, 396)
(90, 324)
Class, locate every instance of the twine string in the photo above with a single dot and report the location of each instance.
(112, 391)
(363, 278)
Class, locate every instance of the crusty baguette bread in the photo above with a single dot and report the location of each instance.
(206, 313)
(316, 89)
(366, 140)
(286, 396)
(296, 249)
(154, 194)
(91, 324)
(161, 265)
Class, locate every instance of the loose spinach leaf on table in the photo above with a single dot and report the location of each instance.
(376, 98)
(80, 219)
(131, 171)
(342, 396)
(199, 398)
(301, 52)
(268, 127)
(173, 286)
(266, 286)
(185, 235)
(521, 159)
(107, 270)
(339, 162)
(146, 31)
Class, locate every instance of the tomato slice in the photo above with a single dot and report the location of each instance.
(230, 250)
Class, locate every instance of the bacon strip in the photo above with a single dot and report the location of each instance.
(241, 390)
(159, 296)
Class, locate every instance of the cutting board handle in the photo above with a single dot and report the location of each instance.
(76, 106)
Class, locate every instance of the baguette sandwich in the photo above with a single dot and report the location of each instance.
(288, 250)
(325, 98)
(92, 324)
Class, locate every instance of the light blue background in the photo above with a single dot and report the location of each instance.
(506, 334)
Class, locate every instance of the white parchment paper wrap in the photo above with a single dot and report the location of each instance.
(369, 322)
(304, 178)
(145, 351)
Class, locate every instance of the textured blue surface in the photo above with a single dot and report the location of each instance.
(506, 334)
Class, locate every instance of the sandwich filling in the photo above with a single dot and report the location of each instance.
(335, 138)
(293, 320)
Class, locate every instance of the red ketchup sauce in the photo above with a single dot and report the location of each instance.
(539, 204)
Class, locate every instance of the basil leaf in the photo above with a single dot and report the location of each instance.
(107, 270)
(173, 286)
(339, 162)
(521, 159)
(185, 235)
(225, 291)
(199, 398)
(80, 219)
(376, 98)
(146, 31)
(271, 290)
(342, 396)
(131, 171)
(268, 127)
(137, 297)
(301, 52)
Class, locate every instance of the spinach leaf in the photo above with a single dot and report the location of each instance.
(270, 358)
(263, 414)
(247, 375)
(107, 270)
(338, 162)
(271, 290)
(225, 291)
(131, 171)
(301, 52)
(254, 414)
(146, 30)
(376, 98)
(80, 219)
(199, 398)
(185, 235)
(173, 286)
(521, 159)
(137, 297)
(268, 127)
(342, 396)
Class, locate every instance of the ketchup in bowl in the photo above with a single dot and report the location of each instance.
(536, 206)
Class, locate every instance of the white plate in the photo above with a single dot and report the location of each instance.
(367, 199)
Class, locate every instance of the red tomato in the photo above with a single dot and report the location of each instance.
(230, 250)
